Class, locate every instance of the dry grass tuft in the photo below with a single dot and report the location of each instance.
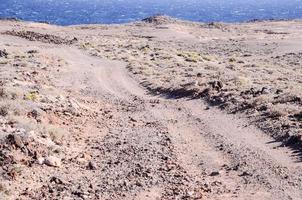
(32, 96)
(190, 56)
(242, 81)
(24, 122)
(55, 133)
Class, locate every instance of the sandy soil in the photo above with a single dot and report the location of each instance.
(159, 109)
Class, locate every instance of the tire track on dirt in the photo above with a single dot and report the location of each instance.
(170, 149)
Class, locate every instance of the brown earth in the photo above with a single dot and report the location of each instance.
(159, 109)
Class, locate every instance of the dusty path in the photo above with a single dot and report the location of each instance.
(170, 148)
(121, 142)
(156, 148)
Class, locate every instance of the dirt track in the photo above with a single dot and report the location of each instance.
(185, 147)
(146, 146)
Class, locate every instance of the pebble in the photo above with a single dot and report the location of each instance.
(53, 161)
(214, 173)
(91, 165)
(245, 174)
(3, 53)
(18, 141)
(41, 160)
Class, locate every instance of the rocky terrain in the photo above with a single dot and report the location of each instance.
(157, 109)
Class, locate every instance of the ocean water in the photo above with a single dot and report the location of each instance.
(68, 12)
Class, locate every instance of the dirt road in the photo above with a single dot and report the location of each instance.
(172, 148)
(139, 145)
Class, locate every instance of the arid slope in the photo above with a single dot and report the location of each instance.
(159, 109)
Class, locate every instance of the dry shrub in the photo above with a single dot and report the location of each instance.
(261, 100)
(11, 92)
(276, 113)
(55, 133)
(87, 46)
(17, 107)
(32, 96)
(207, 57)
(4, 192)
(242, 81)
(190, 56)
(24, 122)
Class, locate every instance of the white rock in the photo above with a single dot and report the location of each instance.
(53, 161)
(41, 161)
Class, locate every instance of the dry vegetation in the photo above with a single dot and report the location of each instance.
(36, 119)
(240, 68)
(65, 133)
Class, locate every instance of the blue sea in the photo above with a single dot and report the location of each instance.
(68, 12)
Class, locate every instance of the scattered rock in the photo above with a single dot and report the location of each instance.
(245, 174)
(132, 119)
(3, 53)
(216, 85)
(215, 173)
(46, 38)
(15, 140)
(33, 113)
(52, 161)
(56, 180)
(41, 161)
(32, 51)
(91, 165)
(298, 116)
(3, 111)
(159, 19)
(83, 159)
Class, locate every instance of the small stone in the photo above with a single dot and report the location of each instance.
(34, 113)
(41, 161)
(265, 90)
(278, 91)
(83, 158)
(245, 174)
(16, 140)
(3, 53)
(56, 180)
(132, 119)
(91, 165)
(52, 161)
(298, 116)
(214, 173)
(86, 156)
(32, 51)
(81, 161)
